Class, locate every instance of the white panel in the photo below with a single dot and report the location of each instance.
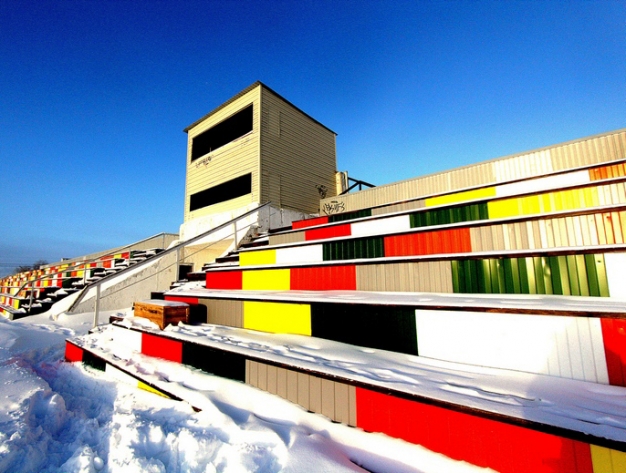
(519, 167)
(543, 184)
(126, 340)
(533, 343)
(300, 254)
(616, 274)
(119, 375)
(381, 226)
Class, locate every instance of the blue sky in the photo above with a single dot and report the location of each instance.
(94, 95)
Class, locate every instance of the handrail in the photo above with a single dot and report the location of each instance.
(151, 259)
(77, 265)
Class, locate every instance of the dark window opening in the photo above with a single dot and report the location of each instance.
(223, 133)
(232, 189)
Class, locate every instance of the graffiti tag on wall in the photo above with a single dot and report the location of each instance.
(334, 207)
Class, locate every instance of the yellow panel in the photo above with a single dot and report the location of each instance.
(266, 280)
(606, 460)
(150, 389)
(276, 317)
(503, 208)
(255, 258)
(461, 196)
(530, 205)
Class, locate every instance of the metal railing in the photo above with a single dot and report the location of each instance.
(98, 284)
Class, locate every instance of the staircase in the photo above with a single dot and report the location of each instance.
(487, 324)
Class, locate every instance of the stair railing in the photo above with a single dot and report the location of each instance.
(97, 285)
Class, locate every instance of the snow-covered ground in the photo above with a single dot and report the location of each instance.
(62, 417)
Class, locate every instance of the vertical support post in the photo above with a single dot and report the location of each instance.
(178, 264)
(32, 295)
(96, 311)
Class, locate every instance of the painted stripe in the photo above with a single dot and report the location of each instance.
(152, 390)
(399, 223)
(543, 184)
(481, 442)
(161, 347)
(606, 460)
(311, 222)
(73, 353)
(568, 347)
(429, 243)
(186, 300)
(324, 278)
(614, 335)
(266, 280)
(224, 280)
(255, 258)
(335, 231)
(277, 317)
(464, 196)
(300, 254)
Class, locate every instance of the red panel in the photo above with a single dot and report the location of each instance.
(73, 353)
(161, 347)
(310, 222)
(224, 280)
(187, 300)
(482, 442)
(328, 232)
(614, 335)
(324, 278)
(429, 243)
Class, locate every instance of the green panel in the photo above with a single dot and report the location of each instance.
(592, 275)
(372, 247)
(350, 215)
(498, 276)
(525, 278)
(483, 211)
(484, 280)
(572, 274)
(581, 273)
(546, 275)
(508, 276)
(456, 288)
(603, 283)
(555, 275)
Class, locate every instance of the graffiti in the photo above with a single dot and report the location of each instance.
(206, 160)
(334, 207)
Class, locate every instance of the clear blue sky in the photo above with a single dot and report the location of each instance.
(94, 95)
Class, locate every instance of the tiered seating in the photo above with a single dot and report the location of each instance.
(522, 279)
(35, 291)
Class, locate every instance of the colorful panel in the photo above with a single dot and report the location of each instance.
(608, 172)
(456, 240)
(358, 248)
(328, 232)
(482, 442)
(383, 327)
(217, 362)
(311, 222)
(300, 254)
(224, 280)
(448, 215)
(614, 335)
(276, 317)
(93, 361)
(266, 280)
(606, 460)
(324, 278)
(399, 223)
(577, 275)
(483, 193)
(256, 258)
(186, 300)
(73, 353)
(350, 215)
(161, 347)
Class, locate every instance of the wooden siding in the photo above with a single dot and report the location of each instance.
(232, 160)
(561, 157)
(333, 399)
(298, 154)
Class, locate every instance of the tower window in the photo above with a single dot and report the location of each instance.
(223, 133)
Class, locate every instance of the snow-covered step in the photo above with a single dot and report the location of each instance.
(563, 336)
(508, 421)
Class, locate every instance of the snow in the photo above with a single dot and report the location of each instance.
(64, 417)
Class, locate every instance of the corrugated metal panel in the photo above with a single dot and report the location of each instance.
(327, 232)
(282, 238)
(224, 312)
(357, 248)
(457, 214)
(483, 193)
(376, 227)
(567, 347)
(254, 258)
(381, 327)
(431, 276)
(300, 254)
(543, 183)
(350, 215)
(455, 240)
(462, 436)
(310, 222)
(266, 280)
(606, 460)
(524, 166)
(614, 334)
(415, 204)
(324, 278)
(277, 317)
(224, 280)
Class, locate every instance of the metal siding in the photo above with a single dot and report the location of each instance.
(277, 317)
(266, 280)
(224, 312)
(606, 460)
(300, 254)
(283, 238)
(376, 227)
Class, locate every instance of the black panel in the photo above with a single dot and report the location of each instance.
(383, 327)
(232, 189)
(217, 362)
(94, 361)
(223, 133)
